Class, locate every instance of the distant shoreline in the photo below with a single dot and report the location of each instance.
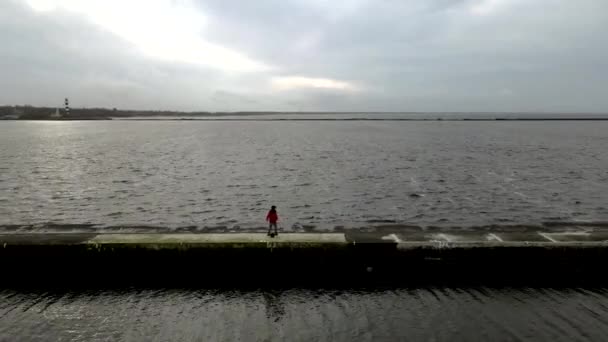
(8, 112)
(219, 118)
(361, 119)
(56, 114)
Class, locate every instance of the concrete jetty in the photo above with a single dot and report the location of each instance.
(572, 255)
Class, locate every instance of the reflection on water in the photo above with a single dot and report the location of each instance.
(427, 314)
(323, 174)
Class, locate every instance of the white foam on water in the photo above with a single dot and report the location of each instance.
(546, 236)
(444, 237)
(494, 237)
(393, 237)
(522, 195)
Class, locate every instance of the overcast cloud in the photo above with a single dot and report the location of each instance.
(307, 55)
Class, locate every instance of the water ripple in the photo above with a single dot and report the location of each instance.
(417, 173)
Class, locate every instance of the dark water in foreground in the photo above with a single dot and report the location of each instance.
(429, 314)
(199, 175)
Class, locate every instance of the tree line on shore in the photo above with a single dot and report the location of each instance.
(27, 112)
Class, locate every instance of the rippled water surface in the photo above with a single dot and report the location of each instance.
(432, 314)
(320, 174)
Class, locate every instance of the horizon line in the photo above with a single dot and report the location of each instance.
(312, 112)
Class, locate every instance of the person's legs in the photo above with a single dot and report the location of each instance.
(269, 228)
(272, 225)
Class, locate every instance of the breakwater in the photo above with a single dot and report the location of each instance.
(357, 257)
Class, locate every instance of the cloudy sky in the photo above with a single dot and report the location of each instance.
(307, 55)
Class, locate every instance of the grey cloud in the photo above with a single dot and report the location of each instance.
(404, 56)
(46, 58)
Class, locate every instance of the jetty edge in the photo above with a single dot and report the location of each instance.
(574, 256)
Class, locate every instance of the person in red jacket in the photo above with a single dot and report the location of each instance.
(272, 219)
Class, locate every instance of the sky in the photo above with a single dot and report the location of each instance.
(307, 55)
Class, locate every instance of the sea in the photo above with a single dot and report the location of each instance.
(405, 314)
(201, 175)
(324, 173)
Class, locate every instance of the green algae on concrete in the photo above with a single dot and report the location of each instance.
(229, 240)
(402, 240)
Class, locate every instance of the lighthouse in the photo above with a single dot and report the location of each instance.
(67, 107)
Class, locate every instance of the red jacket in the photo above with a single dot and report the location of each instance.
(272, 217)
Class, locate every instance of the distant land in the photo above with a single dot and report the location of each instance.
(53, 113)
(27, 112)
